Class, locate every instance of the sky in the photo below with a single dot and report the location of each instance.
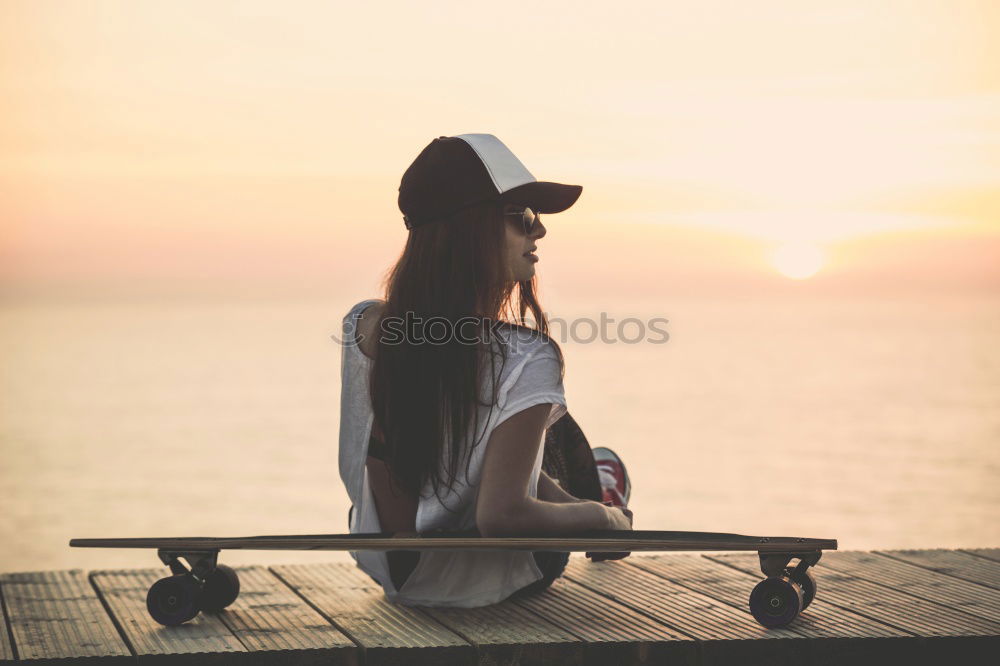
(243, 143)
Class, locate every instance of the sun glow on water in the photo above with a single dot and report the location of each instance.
(798, 260)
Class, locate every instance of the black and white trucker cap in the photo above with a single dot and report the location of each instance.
(455, 172)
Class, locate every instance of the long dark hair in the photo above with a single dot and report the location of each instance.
(424, 393)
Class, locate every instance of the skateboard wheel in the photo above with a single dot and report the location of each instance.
(807, 582)
(221, 589)
(776, 601)
(173, 600)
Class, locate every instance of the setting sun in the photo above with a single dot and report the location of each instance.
(797, 260)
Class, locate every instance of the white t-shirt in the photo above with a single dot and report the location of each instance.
(530, 376)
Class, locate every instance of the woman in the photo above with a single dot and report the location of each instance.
(447, 393)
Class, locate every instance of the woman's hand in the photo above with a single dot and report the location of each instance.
(619, 519)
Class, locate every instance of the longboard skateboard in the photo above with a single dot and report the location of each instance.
(206, 585)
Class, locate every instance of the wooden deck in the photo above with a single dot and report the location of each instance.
(894, 606)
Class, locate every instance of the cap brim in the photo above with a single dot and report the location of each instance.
(543, 197)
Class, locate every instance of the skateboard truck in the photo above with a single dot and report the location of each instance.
(201, 562)
(773, 564)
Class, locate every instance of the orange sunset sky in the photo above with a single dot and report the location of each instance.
(161, 145)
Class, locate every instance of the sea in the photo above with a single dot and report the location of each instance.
(874, 421)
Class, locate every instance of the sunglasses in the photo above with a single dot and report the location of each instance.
(529, 219)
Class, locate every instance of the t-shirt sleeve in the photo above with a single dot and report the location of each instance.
(535, 381)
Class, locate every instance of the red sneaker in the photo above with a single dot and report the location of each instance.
(615, 484)
(615, 488)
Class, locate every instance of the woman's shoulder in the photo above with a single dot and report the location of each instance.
(532, 362)
(361, 321)
(522, 341)
(362, 309)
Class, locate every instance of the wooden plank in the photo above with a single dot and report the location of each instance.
(988, 553)
(388, 633)
(6, 646)
(725, 634)
(273, 622)
(507, 633)
(124, 592)
(834, 634)
(612, 633)
(891, 606)
(979, 570)
(57, 615)
(943, 634)
(733, 587)
(946, 590)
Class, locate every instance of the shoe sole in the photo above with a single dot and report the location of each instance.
(614, 456)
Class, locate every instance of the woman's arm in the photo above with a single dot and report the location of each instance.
(549, 490)
(504, 506)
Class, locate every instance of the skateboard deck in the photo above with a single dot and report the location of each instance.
(206, 585)
(590, 540)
